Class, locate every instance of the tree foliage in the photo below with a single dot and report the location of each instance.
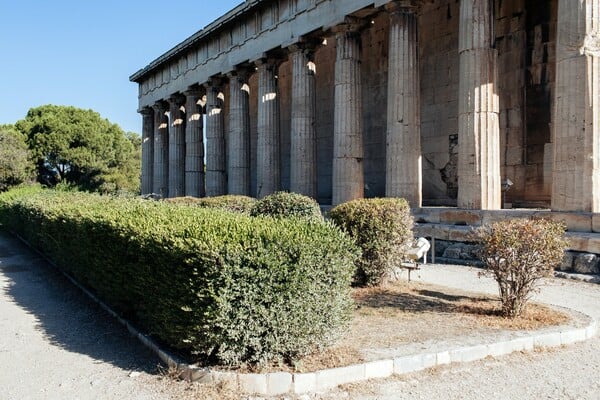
(79, 147)
(15, 163)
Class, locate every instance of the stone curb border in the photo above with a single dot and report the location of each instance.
(278, 383)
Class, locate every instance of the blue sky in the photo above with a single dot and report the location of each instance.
(81, 52)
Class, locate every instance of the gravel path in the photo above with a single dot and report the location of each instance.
(56, 344)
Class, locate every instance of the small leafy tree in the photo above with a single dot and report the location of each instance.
(15, 164)
(518, 253)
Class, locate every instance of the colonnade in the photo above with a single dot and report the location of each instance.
(174, 163)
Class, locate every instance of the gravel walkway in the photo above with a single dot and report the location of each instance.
(57, 344)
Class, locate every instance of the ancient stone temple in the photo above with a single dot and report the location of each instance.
(442, 102)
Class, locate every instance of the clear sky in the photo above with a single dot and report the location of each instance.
(82, 52)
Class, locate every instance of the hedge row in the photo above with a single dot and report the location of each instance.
(226, 287)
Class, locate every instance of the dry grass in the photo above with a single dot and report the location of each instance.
(404, 313)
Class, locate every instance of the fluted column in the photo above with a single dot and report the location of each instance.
(216, 179)
(194, 146)
(147, 150)
(238, 160)
(268, 173)
(161, 149)
(303, 146)
(478, 108)
(576, 125)
(348, 152)
(403, 150)
(176, 146)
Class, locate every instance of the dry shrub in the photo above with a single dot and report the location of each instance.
(518, 253)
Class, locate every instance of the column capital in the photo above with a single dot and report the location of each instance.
(269, 62)
(161, 105)
(214, 83)
(402, 6)
(241, 73)
(194, 92)
(308, 45)
(177, 99)
(350, 25)
(146, 111)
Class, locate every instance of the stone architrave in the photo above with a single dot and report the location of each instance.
(176, 146)
(478, 109)
(403, 147)
(576, 125)
(303, 146)
(161, 149)
(194, 146)
(348, 151)
(268, 174)
(238, 160)
(147, 150)
(216, 178)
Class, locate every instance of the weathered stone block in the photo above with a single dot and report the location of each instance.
(330, 378)
(547, 340)
(596, 222)
(379, 369)
(460, 217)
(567, 262)
(278, 383)
(576, 222)
(586, 263)
(406, 364)
(304, 383)
(253, 383)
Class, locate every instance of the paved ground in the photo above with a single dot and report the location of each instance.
(56, 344)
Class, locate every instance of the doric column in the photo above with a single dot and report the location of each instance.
(303, 146)
(161, 149)
(348, 152)
(267, 146)
(147, 150)
(403, 150)
(216, 179)
(576, 126)
(478, 108)
(194, 146)
(238, 160)
(176, 146)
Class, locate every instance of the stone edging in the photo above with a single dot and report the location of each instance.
(278, 383)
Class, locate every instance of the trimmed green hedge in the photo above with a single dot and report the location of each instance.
(229, 202)
(285, 204)
(225, 287)
(382, 228)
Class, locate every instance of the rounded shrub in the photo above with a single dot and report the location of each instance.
(285, 204)
(518, 253)
(382, 228)
(209, 282)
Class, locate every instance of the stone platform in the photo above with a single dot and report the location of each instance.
(452, 227)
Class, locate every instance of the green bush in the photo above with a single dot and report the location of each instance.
(230, 202)
(210, 282)
(284, 204)
(382, 228)
(518, 253)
